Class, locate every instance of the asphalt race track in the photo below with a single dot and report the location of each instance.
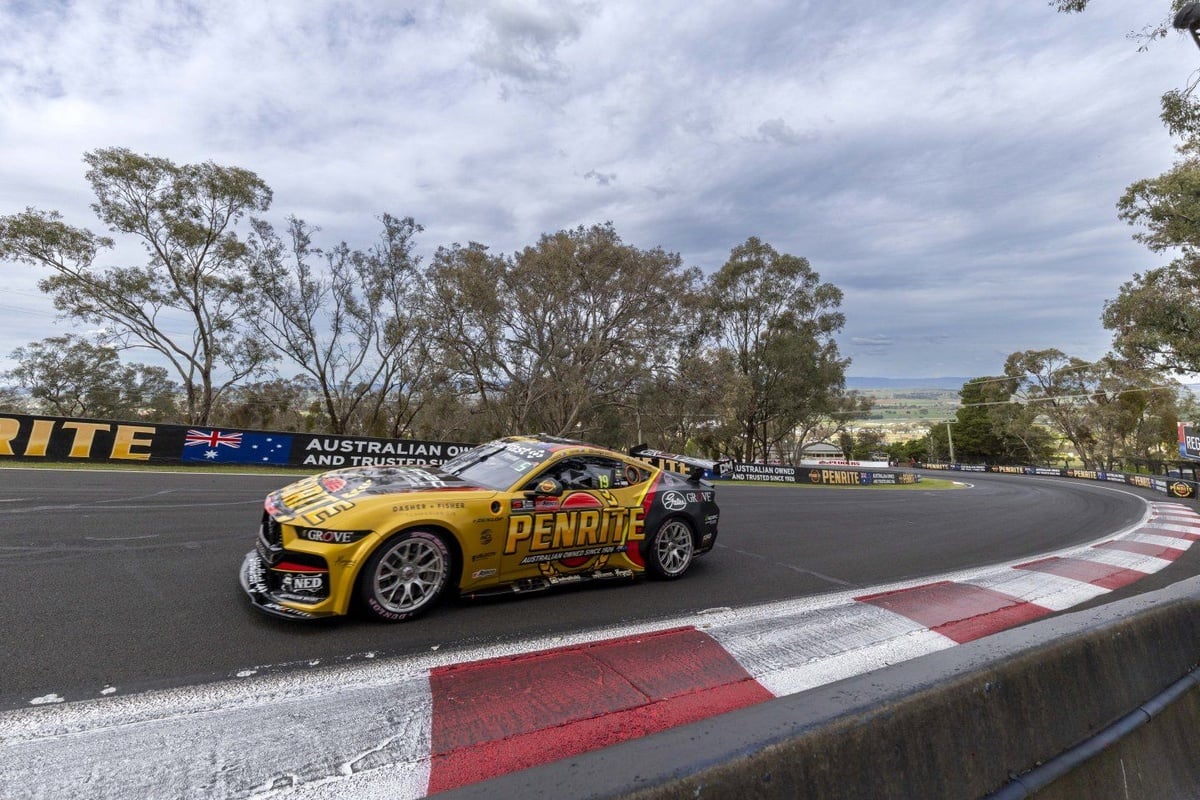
(117, 582)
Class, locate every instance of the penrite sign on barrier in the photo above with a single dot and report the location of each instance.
(26, 438)
(782, 473)
(1173, 486)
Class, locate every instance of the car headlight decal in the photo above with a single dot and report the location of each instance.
(325, 536)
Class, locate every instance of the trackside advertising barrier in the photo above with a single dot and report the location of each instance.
(1173, 487)
(37, 438)
(1189, 441)
(826, 476)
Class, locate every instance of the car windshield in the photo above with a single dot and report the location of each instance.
(498, 464)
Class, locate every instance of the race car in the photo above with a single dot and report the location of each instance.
(518, 514)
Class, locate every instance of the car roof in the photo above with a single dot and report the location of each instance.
(561, 446)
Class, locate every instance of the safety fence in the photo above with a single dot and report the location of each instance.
(1164, 484)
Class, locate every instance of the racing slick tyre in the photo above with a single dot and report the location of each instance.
(404, 577)
(670, 549)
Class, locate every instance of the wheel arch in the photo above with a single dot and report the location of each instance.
(441, 531)
(675, 515)
(645, 544)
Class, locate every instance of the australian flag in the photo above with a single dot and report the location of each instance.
(236, 447)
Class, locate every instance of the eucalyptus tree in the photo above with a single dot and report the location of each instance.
(13, 400)
(348, 318)
(683, 409)
(773, 315)
(1139, 415)
(549, 337)
(994, 425)
(183, 303)
(1063, 388)
(1021, 439)
(1154, 318)
(467, 326)
(279, 404)
(1108, 409)
(71, 377)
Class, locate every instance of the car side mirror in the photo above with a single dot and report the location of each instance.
(545, 487)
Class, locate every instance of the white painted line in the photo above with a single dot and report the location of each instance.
(1124, 559)
(1047, 590)
(1175, 526)
(1161, 541)
(262, 735)
(792, 653)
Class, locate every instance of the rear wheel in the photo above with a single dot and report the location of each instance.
(405, 576)
(670, 549)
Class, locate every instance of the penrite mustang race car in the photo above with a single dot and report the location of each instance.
(514, 515)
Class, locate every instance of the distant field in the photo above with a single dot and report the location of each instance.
(912, 405)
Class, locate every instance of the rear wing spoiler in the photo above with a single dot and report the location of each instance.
(694, 468)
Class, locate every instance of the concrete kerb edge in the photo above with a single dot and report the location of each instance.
(962, 722)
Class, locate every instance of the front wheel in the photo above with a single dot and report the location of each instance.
(404, 577)
(670, 549)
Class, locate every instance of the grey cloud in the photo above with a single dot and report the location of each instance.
(878, 343)
(917, 156)
(523, 39)
(779, 132)
(602, 178)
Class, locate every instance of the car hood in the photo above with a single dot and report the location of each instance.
(319, 497)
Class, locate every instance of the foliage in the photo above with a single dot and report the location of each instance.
(183, 217)
(1068, 6)
(992, 425)
(685, 408)
(1105, 409)
(549, 338)
(1146, 35)
(975, 438)
(71, 377)
(865, 443)
(13, 401)
(1155, 318)
(1166, 207)
(579, 334)
(776, 321)
(910, 451)
(353, 326)
(277, 404)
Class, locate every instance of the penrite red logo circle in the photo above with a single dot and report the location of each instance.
(333, 484)
(579, 500)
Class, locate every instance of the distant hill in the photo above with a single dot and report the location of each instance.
(863, 384)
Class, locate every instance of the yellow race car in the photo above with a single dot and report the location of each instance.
(514, 515)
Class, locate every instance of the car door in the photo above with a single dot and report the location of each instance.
(575, 517)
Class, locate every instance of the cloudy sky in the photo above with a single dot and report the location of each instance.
(952, 166)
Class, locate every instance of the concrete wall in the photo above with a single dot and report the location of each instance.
(961, 723)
